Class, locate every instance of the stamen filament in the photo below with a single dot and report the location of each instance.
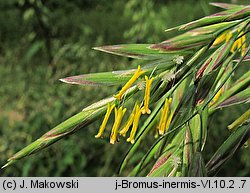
(105, 120)
(145, 108)
(216, 97)
(118, 119)
(135, 125)
(136, 75)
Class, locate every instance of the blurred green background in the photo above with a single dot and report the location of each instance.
(42, 41)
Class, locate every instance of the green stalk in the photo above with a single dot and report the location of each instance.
(71, 125)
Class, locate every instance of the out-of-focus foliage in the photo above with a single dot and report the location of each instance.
(42, 41)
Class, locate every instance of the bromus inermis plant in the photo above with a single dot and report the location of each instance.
(179, 84)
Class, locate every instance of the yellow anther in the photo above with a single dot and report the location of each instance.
(145, 108)
(225, 36)
(240, 43)
(243, 48)
(229, 36)
(169, 121)
(164, 116)
(160, 127)
(236, 45)
(135, 125)
(220, 39)
(125, 129)
(233, 48)
(136, 75)
(129, 122)
(118, 119)
(105, 120)
(216, 97)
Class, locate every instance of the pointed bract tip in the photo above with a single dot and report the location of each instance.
(63, 80)
(171, 29)
(217, 4)
(225, 5)
(97, 48)
(109, 49)
(7, 164)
